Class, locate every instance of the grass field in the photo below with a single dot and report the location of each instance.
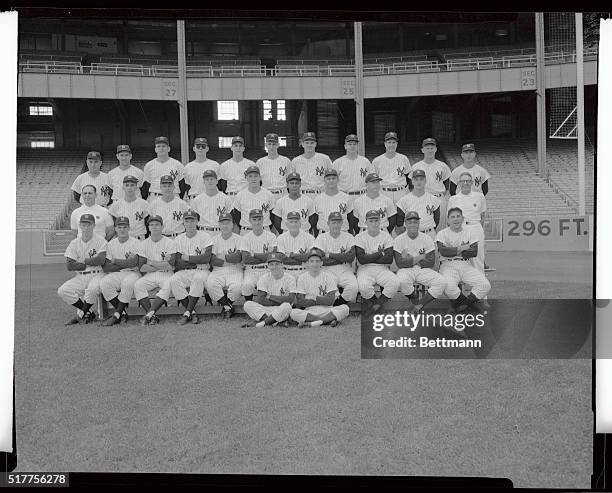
(217, 398)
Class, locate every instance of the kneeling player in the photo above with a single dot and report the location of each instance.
(276, 292)
(316, 293)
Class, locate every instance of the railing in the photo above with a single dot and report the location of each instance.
(51, 67)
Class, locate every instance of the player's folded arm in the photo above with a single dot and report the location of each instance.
(248, 259)
(302, 302)
(447, 251)
(327, 300)
(331, 260)
(403, 263)
(99, 259)
(290, 260)
(216, 261)
(300, 257)
(73, 265)
(429, 261)
(109, 266)
(470, 252)
(261, 297)
(233, 258)
(387, 257)
(364, 258)
(279, 300)
(201, 259)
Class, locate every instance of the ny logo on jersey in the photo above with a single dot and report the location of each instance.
(323, 290)
(320, 170)
(198, 251)
(401, 170)
(466, 242)
(105, 190)
(163, 255)
(127, 255)
(422, 251)
(302, 250)
(176, 215)
(342, 249)
(430, 209)
(265, 207)
(220, 210)
(139, 215)
(174, 174)
(381, 248)
(362, 171)
(382, 212)
(304, 213)
(266, 247)
(477, 181)
(231, 250)
(342, 207)
(92, 253)
(439, 175)
(282, 291)
(282, 170)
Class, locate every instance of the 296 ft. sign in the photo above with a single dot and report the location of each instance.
(562, 226)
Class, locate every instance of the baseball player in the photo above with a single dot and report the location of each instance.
(315, 296)
(133, 207)
(121, 268)
(93, 177)
(162, 165)
(424, 203)
(374, 200)
(104, 224)
(393, 168)
(295, 201)
(226, 262)
(456, 246)
(194, 171)
(415, 254)
(252, 197)
(311, 165)
(193, 253)
(294, 244)
(156, 257)
(273, 168)
(331, 200)
(232, 176)
(170, 208)
(211, 203)
(256, 245)
(339, 249)
(374, 252)
(84, 256)
(275, 295)
(125, 168)
(437, 174)
(479, 174)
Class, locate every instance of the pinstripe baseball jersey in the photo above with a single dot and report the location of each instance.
(233, 173)
(303, 204)
(210, 207)
(425, 205)
(479, 175)
(264, 243)
(171, 212)
(392, 170)
(371, 244)
(116, 176)
(136, 211)
(273, 172)
(246, 201)
(121, 251)
(103, 219)
(311, 170)
(352, 172)
(101, 182)
(452, 238)
(319, 285)
(471, 205)
(221, 247)
(79, 250)
(324, 204)
(157, 251)
(435, 174)
(287, 243)
(193, 175)
(382, 204)
(276, 287)
(342, 244)
(196, 245)
(155, 169)
(420, 245)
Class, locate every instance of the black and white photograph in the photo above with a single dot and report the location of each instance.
(307, 244)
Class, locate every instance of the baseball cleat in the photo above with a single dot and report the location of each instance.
(261, 324)
(74, 320)
(154, 320)
(144, 320)
(194, 319)
(124, 318)
(303, 325)
(112, 320)
(183, 320)
(89, 317)
(228, 311)
(333, 323)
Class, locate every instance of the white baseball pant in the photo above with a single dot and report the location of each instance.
(227, 277)
(320, 311)
(428, 277)
(85, 286)
(250, 278)
(455, 271)
(194, 279)
(152, 280)
(345, 279)
(479, 260)
(395, 195)
(121, 282)
(369, 275)
(295, 270)
(256, 311)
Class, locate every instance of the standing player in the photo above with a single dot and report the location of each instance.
(316, 293)
(273, 168)
(156, 257)
(116, 175)
(211, 203)
(162, 165)
(374, 200)
(252, 197)
(194, 171)
(311, 165)
(456, 246)
(437, 174)
(339, 254)
(93, 177)
(193, 252)
(256, 245)
(294, 245)
(121, 267)
(374, 251)
(84, 256)
(479, 174)
(104, 224)
(226, 262)
(170, 208)
(426, 205)
(296, 201)
(232, 176)
(415, 255)
(133, 207)
(331, 200)
(275, 295)
(393, 168)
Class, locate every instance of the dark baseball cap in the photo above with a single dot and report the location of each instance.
(275, 257)
(252, 169)
(87, 218)
(418, 172)
(94, 155)
(331, 172)
(335, 216)
(130, 179)
(373, 177)
(238, 139)
(271, 137)
(468, 147)
(411, 215)
(293, 176)
(351, 138)
(226, 216)
(166, 179)
(255, 213)
(391, 136)
(316, 252)
(191, 214)
(123, 148)
(309, 136)
(293, 215)
(162, 140)
(156, 218)
(122, 220)
(429, 140)
(200, 140)
(372, 215)
(209, 173)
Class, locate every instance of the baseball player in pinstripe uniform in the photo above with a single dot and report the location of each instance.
(425, 204)
(374, 252)
(121, 268)
(156, 258)
(162, 165)
(232, 176)
(125, 168)
(311, 165)
(93, 177)
(295, 201)
(393, 168)
(339, 254)
(479, 174)
(193, 253)
(211, 203)
(275, 295)
(104, 226)
(294, 245)
(132, 207)
(252, 197)
(274, 168)
(374, 200)
(315, 296)
(170, 207)
(256, 245)
(331, 200)
(226, 262)
(194, 171)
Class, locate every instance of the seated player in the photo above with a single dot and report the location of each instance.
(156, 262)
(84, 256)
(415, 255)
(316, 293)
(456, 246)
(294, 244)
(193, 252)
(275, 295)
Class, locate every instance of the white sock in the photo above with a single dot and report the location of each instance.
(80, 313)
(117, 315)
(187, 314)
(316, 323)
(150, 314)
(260, 324)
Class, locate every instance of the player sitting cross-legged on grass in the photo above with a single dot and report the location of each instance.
(275, 295)
(316, 293)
